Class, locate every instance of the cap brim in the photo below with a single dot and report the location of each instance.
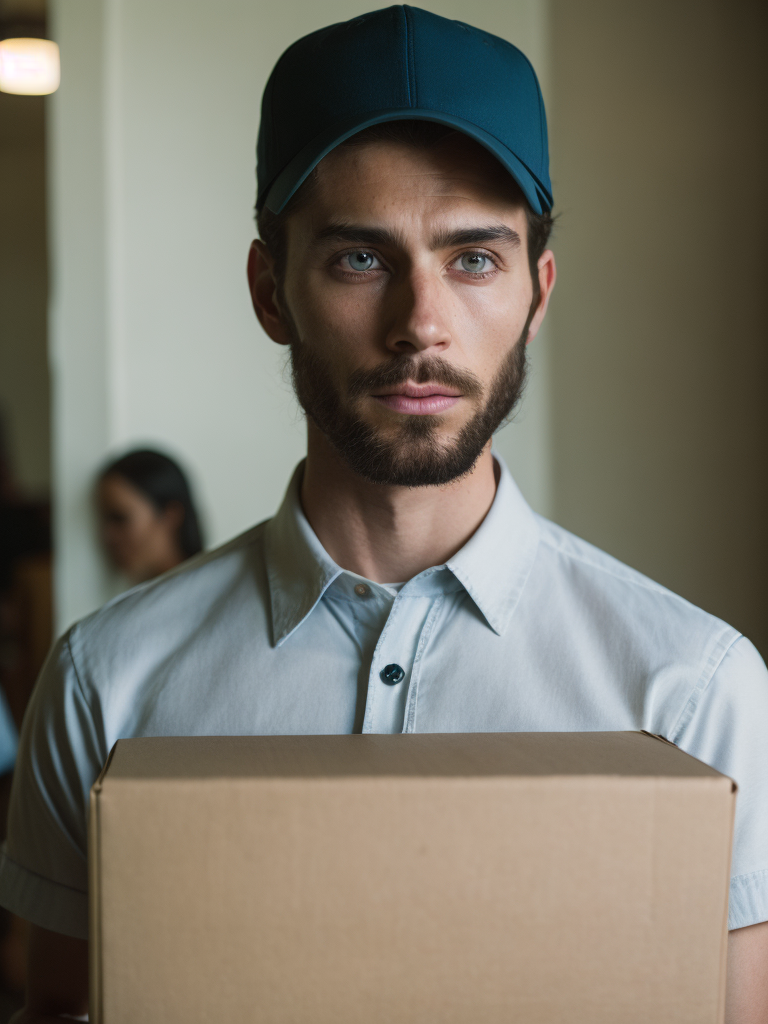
(278, 193)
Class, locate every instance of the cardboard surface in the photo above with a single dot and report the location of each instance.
(438, 879)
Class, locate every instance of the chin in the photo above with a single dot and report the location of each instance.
(417, 455)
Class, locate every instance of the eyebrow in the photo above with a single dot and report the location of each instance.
(446, 239)
(476, 236)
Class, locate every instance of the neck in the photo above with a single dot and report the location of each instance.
(390, 534)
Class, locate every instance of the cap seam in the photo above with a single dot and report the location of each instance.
(406, 53)
(413, 98)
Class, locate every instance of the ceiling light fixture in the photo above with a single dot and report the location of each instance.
(29, 67)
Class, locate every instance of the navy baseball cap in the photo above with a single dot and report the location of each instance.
(394, 64)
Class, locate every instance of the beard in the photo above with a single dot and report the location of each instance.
(410, 454)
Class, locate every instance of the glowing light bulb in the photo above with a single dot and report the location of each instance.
(29, 67)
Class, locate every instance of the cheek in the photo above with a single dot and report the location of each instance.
(325, 308)
(139, 532)
(490, 322)
(341, 326)
(125, 540)
(117, 532)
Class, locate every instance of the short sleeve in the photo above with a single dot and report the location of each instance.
(727, 728)
(44, 864)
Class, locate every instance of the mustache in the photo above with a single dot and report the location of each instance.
(420, 371)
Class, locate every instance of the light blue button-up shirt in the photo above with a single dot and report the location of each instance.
(526, 628)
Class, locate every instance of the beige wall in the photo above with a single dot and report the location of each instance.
(660, 418)
(24, 393)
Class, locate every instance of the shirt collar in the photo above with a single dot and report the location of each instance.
(493, 565)
(298, 567)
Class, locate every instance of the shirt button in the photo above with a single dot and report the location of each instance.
(362, 590)
(391, 675)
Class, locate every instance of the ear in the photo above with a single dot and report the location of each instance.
(263, 286)
(547, 277)
(173, 515)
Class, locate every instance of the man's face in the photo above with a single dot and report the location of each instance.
(407, 302)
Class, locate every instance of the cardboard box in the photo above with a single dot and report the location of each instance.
(417, 879)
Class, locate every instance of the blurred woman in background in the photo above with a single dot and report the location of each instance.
(148, 524)
(148, 521)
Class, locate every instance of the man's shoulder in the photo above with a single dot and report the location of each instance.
(182, 603)
(616, 593)
(586, 558)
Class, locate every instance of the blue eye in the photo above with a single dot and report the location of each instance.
(359, 261)
(475, 263)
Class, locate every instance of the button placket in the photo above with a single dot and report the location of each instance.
(409, 718)
(403, 637)
(375, 679)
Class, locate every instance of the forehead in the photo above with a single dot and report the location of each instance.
(381, 179)
(115, 488)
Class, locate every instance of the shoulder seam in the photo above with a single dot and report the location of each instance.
(630, 575)
(708, 674)
(67, 641)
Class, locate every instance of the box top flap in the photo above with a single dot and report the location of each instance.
(425, 754)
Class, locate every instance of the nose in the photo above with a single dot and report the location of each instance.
(421, 321)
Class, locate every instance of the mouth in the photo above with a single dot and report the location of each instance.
(419, 399)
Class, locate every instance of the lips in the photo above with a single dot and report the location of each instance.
(419, 399)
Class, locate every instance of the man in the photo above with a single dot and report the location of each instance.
(404, 584)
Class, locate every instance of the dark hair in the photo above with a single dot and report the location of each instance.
(419, 134)
(162, 481)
